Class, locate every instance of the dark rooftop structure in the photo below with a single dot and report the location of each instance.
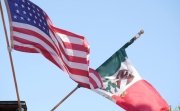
(12, 106)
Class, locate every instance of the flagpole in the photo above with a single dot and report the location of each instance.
(133, 39)
(65, 98)
(10, 57)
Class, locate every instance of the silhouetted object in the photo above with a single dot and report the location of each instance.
(12, 106)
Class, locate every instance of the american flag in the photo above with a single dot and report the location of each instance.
(32, 31)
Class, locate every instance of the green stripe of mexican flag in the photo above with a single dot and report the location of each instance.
(124, 86)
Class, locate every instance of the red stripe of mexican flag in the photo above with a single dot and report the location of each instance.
(123, 85)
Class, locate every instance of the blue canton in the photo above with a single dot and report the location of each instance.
(24, 11)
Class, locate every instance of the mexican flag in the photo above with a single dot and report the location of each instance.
(124, 86)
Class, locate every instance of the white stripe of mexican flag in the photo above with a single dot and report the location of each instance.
(123, 85)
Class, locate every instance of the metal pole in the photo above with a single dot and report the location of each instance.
(10, 57)
(133, 39)
(65, 97)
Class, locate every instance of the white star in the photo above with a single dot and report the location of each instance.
(16, 4)
(44, 23)
(22, 18)
(43, 28)
(33, 6)
(42, 17)
(22, 6)
(23, 1)
(29, 8)
(30, 14)
(35, 17)
(37, 9)
(15, 17)
(17, 11)
(24, 12)
(38, 14)
(34, 11)
(40, 20)
(34, 21)
(39, 25)
(29, 19)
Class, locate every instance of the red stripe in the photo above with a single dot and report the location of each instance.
(71, 70)
(57, 51)
(92, 71)
(38, 46)
(76, 59)
(66, 32)
(78, 71)
(94, 84)
(69, 58)
(97, 75)
(75, 47)
(73, 58)
(49, 57)
(35, 34)
(66, 45)
(25, 49)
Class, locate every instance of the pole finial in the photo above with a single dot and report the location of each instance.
(139, 34)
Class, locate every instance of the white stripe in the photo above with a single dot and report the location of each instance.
(82, 79)
(59, 61)
(70, 39)
(72, 52)
(35, 40)
(76, 52)
(75, 64)
(37, 30)
(91, 86)
(88, 56)
(79, 78)
(94, 77)
(54, 39)
(16, 43)
(50, 50)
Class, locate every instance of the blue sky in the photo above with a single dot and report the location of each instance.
(107, 25)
